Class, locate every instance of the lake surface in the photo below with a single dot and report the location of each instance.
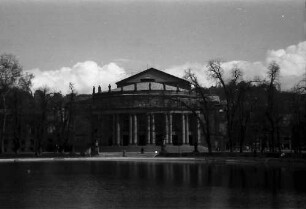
(93, 184)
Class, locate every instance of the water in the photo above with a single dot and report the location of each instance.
(149, 185)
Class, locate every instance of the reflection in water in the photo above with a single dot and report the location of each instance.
(149, 185)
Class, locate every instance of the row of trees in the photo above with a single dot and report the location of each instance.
(25, 114)
(253, 109)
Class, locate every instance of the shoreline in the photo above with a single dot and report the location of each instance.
(279, 162)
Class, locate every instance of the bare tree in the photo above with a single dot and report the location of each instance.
(71, 113)
(20, 102)
(298, 121)
(25, 82)
(246, 102)
(10, 72)
(42, 99)
(198, 103)
(231, 93)
(57, 105)
(204, 105)
(272, 113)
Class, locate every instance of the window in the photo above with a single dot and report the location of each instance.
(147, 80)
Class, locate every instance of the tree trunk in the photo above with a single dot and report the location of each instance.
(4, 124)
(209, 146)
(278, 139)
(229, 130)
(207, 136)
(272, 138)
(229, 133)
(242, 136)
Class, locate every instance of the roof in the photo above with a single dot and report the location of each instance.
(146, 86)
(156, 76)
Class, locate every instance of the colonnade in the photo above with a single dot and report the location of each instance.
(183, 134)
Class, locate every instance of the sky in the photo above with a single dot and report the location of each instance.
(94, 42)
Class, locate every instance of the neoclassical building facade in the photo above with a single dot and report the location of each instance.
(149, 108)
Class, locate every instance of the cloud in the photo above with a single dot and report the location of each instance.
(197, 68)
(292, 62)
(83, 75)
(250, 71)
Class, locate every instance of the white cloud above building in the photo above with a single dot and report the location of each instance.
(84, 75)
(292, 62)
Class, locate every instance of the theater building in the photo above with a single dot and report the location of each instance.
(149, 108)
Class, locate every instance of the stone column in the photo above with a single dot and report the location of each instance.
(153, 128)
(130, 129)
(166, 129)
(148, 129)
(170, 128)
(135, 130)
(114, 130)
(198, 129)
(118, 129)
(183, 129)
(187, 128)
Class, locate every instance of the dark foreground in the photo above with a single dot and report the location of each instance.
(150, 184)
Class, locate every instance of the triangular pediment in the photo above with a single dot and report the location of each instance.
(154, 75)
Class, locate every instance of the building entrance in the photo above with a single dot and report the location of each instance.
(191, 140)
(142, 140)
(125, 140)
(175, 140)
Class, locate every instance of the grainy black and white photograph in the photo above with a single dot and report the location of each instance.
(152, 104)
